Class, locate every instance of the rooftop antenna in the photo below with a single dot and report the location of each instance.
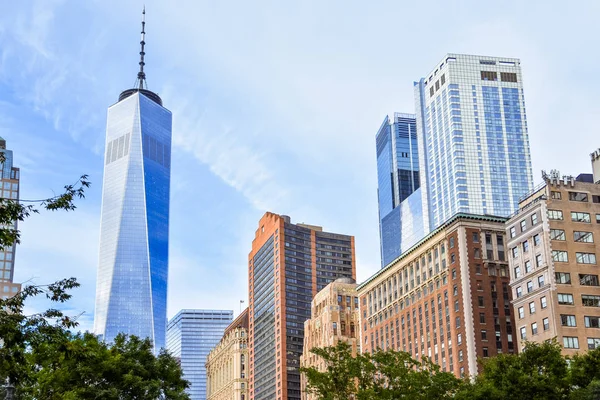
(141, 76)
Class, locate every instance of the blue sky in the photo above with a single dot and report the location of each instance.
(275, 107)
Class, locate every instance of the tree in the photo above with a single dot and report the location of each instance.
(539, 372)
(585, 375)
(383, 375)
(43, 359)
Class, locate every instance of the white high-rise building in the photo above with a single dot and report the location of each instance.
(473, 143)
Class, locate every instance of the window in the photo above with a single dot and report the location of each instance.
(555, 195)
(451, 243)
(571, 342)
(508, 76)
(593, 343)
(536, 240)
(521, 311)
(525, 247)
(563, 277)
(538, 260)
(565, 299)
(517, 272)
(532, 308)
(580, 217)
(459, 338)
(567, 320)
(477, 252)
(489, 76)
(586, 258)
(557, 234)
(541, 281)
(519, 292)
(583, 237)
(523, 225)
(588, 280)
(555, 215)
(592, 322)
(485, 352)
(560, 256)
(452, 258)
(523, 333)
(598, 218)
(513, 232)
(515, 252)
(534, 328)
(589, 300)
(482, 318)
(543, 302)
(483, 334)
(578, 196)
(480, 301)
(534, 219)
(528, 268)
(546, 323)
(475, 237)
(529, 287)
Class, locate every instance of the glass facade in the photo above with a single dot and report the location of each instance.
(191, 335)
(131, 293)
(473, 142)
(398, 178)
(9, 189)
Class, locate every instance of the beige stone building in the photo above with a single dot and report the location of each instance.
(334, 317)
(553, 245)
(227, 363)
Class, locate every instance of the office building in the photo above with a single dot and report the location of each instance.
(191, 335)
(447, 297)
(553, 247)
(288, 265)
(334, 317)
(398, 178)
(473, 147)
(227, 363)
(472, 134)
(131, 291)
(10, 191)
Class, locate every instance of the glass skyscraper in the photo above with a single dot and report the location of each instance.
(131, 293)
(9, 189)
(398, 178)
(473, 150)
(473, 143)
(191, 335)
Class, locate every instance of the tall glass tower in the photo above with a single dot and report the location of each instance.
(131, 292)
(398, 178)
(473, 144)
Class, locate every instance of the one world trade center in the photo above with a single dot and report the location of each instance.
(131, 292)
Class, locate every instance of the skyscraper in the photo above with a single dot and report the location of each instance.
(9, 190)
(288, 265)
(472, 133)
(473, 149)
(191, 335)
(131, 293)
(398, 178)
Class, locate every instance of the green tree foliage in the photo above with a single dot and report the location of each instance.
(382, 375)
(42, 359)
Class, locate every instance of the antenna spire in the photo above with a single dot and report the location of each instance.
(141, 76)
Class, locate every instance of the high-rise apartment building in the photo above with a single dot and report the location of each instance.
(9, 190)
(191, 335)
(227, 363)
(472, 133)
(288, 265)
(398, 178)
(473, 147)
(334, 317)
(447, 297)
(553, 248)
(131, 292)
